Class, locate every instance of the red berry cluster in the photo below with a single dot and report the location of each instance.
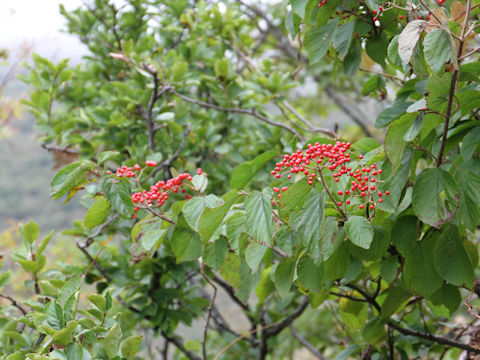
(334, 157)
(158, 193)
(376, 13)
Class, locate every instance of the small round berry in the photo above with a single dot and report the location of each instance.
(401, 17)
(372, 206)
(380, 200)
(361, 206)
(348, 202)
(380, 194)
(387, 192)
(340, 192)
(337, 179)
(339, 203)
(109, 172)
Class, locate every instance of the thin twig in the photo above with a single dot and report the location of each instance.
(89, 239)
(14, 303)
(171, 159)
(210, 308)
(251, 112)
(307, 123)
(307, 345)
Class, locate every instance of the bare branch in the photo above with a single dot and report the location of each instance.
(89, 239)
(251, 112)
(210, 308)
(175, 340)
(307, 123)
(275, 330)
(14, 303)
(307, 345)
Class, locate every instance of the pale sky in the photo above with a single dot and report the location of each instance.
(38, 22)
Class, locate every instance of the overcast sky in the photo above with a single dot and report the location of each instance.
(38, 22)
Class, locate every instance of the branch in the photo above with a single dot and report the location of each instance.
(54, 148)
(275, 330)
(347, 109)
(307, 123)
(83, 248)
(14, 303)
(89, 239)
(179, 344)
(147, 114)
(170, 160)
(307, 345)
(433, 338)
(210, 308)
(251, 112)
(453, 85)
(231, 292)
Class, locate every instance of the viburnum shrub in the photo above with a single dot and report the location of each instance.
(367, 246)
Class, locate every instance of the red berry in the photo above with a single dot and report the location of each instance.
(380, 193)
(380, 200)
(375, 18)
(380, 8)
(355, 34)
(340, 192)
(361, 206)
(372, 206)
(339, 203)
(401, 17)
(348, 202)
(374, 12)
(387, 192)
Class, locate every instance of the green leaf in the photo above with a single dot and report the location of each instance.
(451, 259)
(211, 219)
(377, 47)
(117, 193)
(318, 40)
(64, 336)
(215, 254)
(152, 238)
(107, 156)
(130, 347)
(43, 244)
(408, 39)
(469, 211)
(390, 114)
(437, 48)
(97, 213)
(193, 208)
(293, 199)
(352, 61)
(405, 233)
(359, 231)
(337, 264)
(392, 52)
(29, 231)
(258, 207)
(99, 301)
(470, 143)
(192, 345)
(374, 332)
(292, 23)
(111, 341)
(449, 296)
(419, 271)
(343, 38)
(254, 255)
(243, 173)
(5, 278)
(415, 128)
(394, 143)
(283, 276)
(185, 243)
(298, 7)
(69, 177)
(396, 298)
(307, 222)
(310, 275)
(427, 203)
(265, 285)
(69, 288)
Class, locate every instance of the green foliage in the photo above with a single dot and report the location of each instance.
(184, 85)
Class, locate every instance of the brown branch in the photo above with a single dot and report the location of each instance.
(89, 239)
(179, 344)
(347, 109)
(453, 85)
(433, 338)
(251, 112)
(307, 123)
(275, 330)
(171, 159)
(14, 303)
(93, 261)
(329, 193)
(54, 148)
(210, 308)
(313, 350)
